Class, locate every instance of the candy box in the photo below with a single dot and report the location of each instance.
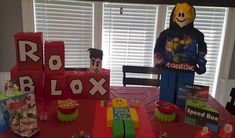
(199, 114)
(22, 111)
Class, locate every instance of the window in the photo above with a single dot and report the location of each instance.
(69, 21)
(210, 21)
(128, 38)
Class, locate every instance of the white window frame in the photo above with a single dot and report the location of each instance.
(226, 54)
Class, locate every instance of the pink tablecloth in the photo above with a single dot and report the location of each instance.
(176, 129)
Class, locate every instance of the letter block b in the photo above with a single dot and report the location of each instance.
(29, 50)
(54, 57)
(29, 80)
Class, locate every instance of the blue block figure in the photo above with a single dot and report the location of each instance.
(170, 80)
(180, 52)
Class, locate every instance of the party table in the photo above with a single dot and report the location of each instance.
(176, 129)
(88, 108)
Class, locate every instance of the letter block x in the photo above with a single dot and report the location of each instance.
(98, 85)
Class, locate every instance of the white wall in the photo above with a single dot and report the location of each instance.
(3, 77)
(11, 22)
(224, 92)
(225, 84)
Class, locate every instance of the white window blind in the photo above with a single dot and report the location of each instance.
(210, 21)
(128, 38)
(70, 21)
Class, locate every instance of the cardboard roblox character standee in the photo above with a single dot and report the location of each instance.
(96, 57)
(180, 50)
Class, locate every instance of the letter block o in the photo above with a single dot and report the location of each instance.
(76, 81)
(28, 80)
(54, 57)
(29, 50)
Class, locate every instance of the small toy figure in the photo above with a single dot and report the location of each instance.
(204, 133)
(102, 103)
(179, 51)
(84, 135)
(163, 135)
(96, 57)
(226, 132)
(10, 87)
(137, 103)
(43, 116)
(74, 136)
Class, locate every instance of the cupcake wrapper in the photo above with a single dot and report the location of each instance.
(165, 117)
(67, 117)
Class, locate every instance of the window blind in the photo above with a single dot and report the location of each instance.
(210, 21)
(128, 38)
(70, 21)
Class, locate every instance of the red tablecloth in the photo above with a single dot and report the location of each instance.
(53, 128)
(148, 95)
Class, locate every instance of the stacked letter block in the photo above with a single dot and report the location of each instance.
(55, 77)
(51, 80)
(28, 72)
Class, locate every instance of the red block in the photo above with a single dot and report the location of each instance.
(76, 84)
(54, 57)
(55, 86)
(28, 80)
(98, 84)
(29, 50)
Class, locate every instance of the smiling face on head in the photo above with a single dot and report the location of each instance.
(119, 102)
(183, 14)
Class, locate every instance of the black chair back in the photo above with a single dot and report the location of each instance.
(140, 81)
(230, 105)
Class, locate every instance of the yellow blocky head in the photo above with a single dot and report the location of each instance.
(183, 14)
(119, 102)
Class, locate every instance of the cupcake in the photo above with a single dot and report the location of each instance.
(67, 110)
